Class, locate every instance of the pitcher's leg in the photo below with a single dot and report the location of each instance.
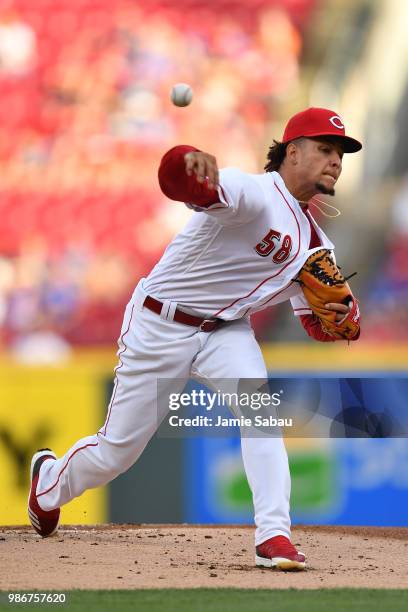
(232, 353)
(96, 460)
(153, 348)
(266, 466)
(86, 465)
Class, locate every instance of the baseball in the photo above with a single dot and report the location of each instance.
(181, 94)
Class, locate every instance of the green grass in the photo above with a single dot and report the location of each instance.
(227, 600)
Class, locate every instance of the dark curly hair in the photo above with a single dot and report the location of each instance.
(276, 155)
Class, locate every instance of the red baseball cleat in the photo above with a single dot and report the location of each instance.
(45, 522)
(279, 553)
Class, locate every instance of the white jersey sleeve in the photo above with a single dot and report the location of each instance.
(241, 198)
(300, 305)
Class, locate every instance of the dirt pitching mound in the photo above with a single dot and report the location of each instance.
(185, 556)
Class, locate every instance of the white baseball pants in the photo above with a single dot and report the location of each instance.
(152, 347)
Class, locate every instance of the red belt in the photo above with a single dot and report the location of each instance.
(205, 325)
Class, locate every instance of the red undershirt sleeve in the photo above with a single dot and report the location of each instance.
(313, 328)
(177, 185)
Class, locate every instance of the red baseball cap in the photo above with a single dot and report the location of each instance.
(314, 122)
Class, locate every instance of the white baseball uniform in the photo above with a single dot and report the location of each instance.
(233, 258)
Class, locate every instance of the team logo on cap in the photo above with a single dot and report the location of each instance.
(337, 122)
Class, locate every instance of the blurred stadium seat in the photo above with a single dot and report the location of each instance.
(85, 118)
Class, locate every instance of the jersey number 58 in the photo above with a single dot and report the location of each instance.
(269, 243)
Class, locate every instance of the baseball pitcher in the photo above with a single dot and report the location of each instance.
(251, 243)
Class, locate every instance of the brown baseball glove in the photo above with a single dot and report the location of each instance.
(323, 283)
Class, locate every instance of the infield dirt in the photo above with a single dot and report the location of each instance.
(186, 556)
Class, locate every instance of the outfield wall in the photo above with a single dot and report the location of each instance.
(359, 481)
